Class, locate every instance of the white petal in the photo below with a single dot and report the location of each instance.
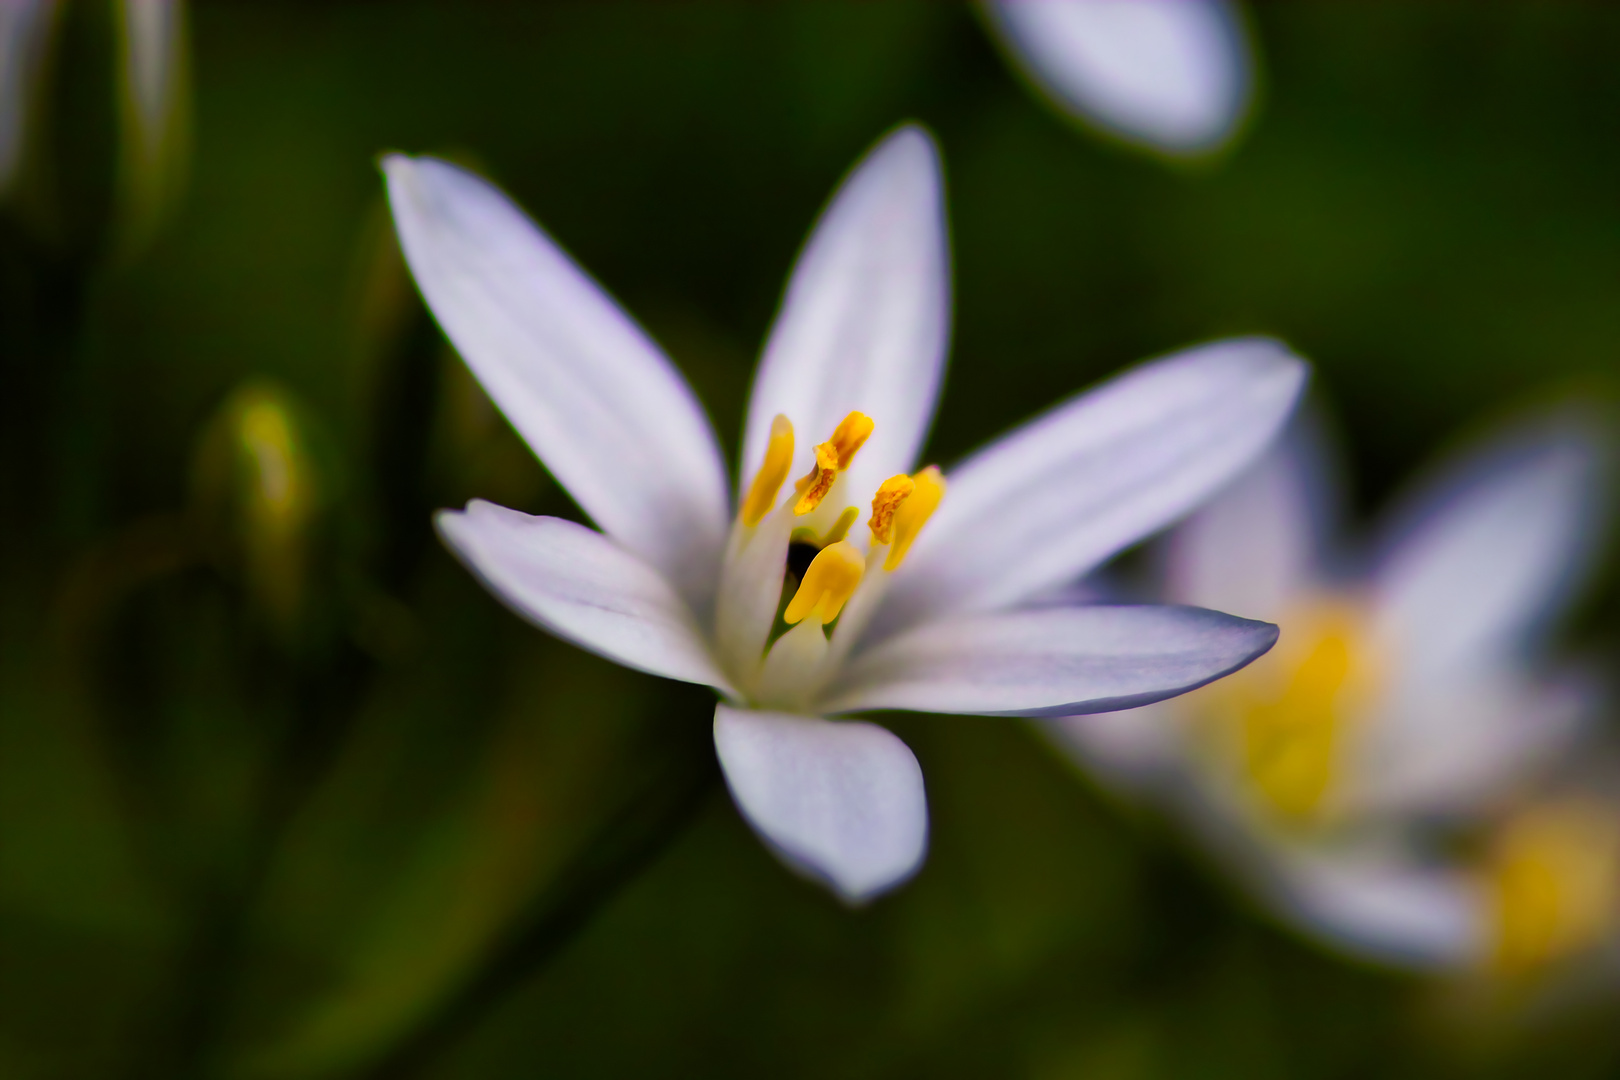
(1490, 550)
(24, 33)
(1173, 74)
(1394, 912)
(584, 588)
(1048, 502)
(1448, 749)
(865, 321)
(1049, 662)
(1253, 549)
(842, 802)
(583, 385)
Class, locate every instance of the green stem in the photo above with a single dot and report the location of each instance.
(627, 845)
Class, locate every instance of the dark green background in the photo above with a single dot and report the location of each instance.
(1427, 205)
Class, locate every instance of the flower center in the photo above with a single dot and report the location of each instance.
(829, 580)
(1289, 711)
(1554, 880)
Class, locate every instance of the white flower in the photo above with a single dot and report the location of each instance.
(1173, 75)
(683, 583)
(1408, 695)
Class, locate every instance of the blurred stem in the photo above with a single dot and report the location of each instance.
(621, 850)
(325, 702)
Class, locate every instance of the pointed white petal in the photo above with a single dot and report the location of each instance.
(841, 802)
(1173, 74)
(584, 588)
(1395, 912)
(1490, 550)
(1048, 662)
(1048, 502)
(583, 385)
(865, 321)
(1253, 549)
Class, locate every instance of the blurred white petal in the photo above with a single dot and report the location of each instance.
(25, 27)
(1448, 749)
(866, 318)
(1173, 74)
(1390, 911)
(1490, 550)
(584, 386)
(1049, 662)
(1253, 550)
(153, 40)
(1043, 505)
(584, 588)
(842, 802)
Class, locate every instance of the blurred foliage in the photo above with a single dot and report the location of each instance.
(284, 793)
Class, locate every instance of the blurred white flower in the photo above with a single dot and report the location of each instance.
(784, 605)
(1175, 76)
(24, 33)
(1407, 695)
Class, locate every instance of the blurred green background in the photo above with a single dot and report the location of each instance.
(384, 828)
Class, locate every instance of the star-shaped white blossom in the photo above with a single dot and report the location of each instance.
(841, 579)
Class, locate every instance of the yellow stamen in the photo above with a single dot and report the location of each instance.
(813, 488)
(832, 457)
(772, 473)
(828, 584)
(889, 496)
(850, 435)
(1555, 883)
(840, 527)
(912, 513)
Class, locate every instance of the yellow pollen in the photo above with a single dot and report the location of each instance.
(889, 496)
(828, 584)
(911, 513)
(772, 472)
(1554, 880)
(832, 457)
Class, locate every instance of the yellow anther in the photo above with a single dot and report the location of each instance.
(912, 513)
(832, 457)
(813, 488)
(850, 435)
(1555, 883)
(828, 584)
(889, 496)
(772, 473)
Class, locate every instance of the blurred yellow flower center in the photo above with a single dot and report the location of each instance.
(1554, 880)
(1289, 710)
